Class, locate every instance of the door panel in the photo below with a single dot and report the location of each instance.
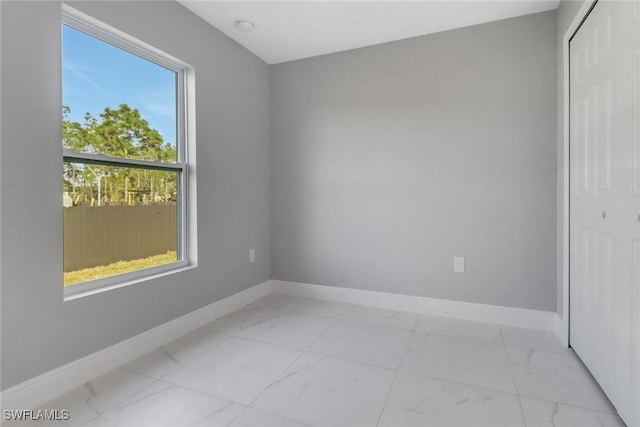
(602, 123)
(580, 150)
(605, 201)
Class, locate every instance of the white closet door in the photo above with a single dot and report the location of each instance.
(605, 201)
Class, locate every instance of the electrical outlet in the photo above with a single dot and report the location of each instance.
(252, 255)
(458, 264)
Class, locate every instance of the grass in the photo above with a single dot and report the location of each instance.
(74, 277)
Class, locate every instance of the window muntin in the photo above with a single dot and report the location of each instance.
(119, 167)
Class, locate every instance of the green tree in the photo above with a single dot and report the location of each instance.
(118, 132)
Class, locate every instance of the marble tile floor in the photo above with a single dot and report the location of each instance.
(288, 361)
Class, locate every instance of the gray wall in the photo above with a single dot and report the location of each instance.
(387, 161)
(567, 11)
(39, 330)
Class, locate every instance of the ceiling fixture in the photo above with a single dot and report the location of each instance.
(245, 26)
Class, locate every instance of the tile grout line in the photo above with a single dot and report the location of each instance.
(237, 416)
(144, 375)
(395, 378)
(227, 336)
(270, 413)
(340, 317)
(294, 311)
(180, 364)
(513, 378)
(567, 352)
(302, 352)
(448, 380)
(335, 320)
(171, 385)
(413, 330)
(308, 348)
(118, 401)
(378, 324)
(568, 405)
(206, 393)
(276, 378)
(246, 406)
(386, 400)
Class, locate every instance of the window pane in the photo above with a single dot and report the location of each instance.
(115, 102)
(118, 220)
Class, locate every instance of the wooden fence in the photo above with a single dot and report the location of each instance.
(103, 235)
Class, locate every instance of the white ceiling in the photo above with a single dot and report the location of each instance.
(290, 30)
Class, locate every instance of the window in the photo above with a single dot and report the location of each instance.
(125, 161)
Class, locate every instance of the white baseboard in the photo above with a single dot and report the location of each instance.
(527, 318)
(41, 389)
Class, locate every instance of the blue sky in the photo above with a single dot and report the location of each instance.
(98, 75)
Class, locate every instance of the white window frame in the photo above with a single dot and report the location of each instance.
(184, 148)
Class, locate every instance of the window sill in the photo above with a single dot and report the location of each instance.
(98, 286)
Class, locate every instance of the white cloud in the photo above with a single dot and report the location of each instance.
(83, 76)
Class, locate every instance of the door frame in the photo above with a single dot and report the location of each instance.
(564, 173)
